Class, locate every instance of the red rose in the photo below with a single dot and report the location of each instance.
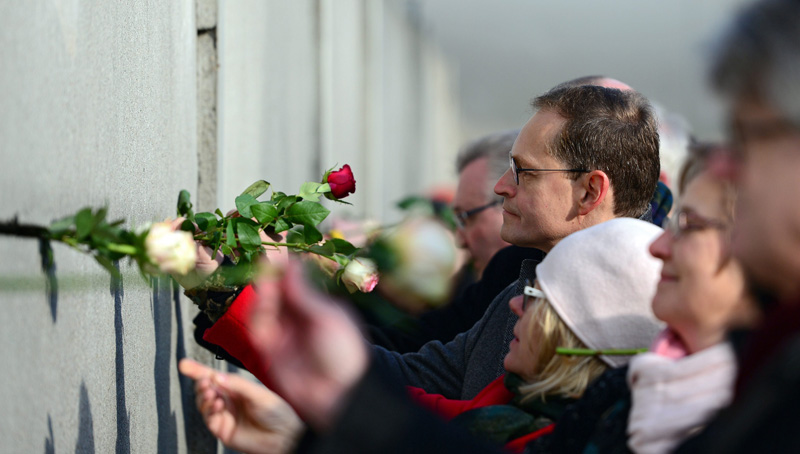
(342, 182)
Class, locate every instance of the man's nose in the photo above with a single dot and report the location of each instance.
(505, 185)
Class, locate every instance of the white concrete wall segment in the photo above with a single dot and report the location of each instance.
(307, 85)
(99, 108)
(268, 95)
(343, 95)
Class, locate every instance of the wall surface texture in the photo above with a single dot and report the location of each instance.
(309, 84)
(100, 108)
(123, 104)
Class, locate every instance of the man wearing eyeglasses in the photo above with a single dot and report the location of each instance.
(478, 211)
(479, 215)
(588, 155)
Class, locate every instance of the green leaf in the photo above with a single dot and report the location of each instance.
(230, 235)
(282, 225)
(295, 235)
(342, 247)
(205, 221)
(411, 201)
(327, 249)
(243, 203)
(276, 196)
(187, 226)
(185, 204)
(248, 237)
(84, 221)
(287, 202)
(227, 250)
(306, 213)
(312, 191)
(106, 263)
(265, 212)
(104, 233)
(342, 261)
(256, 189)
(219, 213)
(100, 215)
(311, 234)
(61, 226)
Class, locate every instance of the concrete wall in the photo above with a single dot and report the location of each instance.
(99, 107)
(306, 85)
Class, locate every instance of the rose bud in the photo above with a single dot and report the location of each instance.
(173, 251)
(342, 182)
(360, 274)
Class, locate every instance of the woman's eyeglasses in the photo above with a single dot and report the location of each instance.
(530, 293)
(688, 221)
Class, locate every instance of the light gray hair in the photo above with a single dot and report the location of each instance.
(759, 55)
(495, 148)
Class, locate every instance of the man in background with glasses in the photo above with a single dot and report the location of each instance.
(495, 263)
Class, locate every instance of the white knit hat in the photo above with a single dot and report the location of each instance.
(601, 282)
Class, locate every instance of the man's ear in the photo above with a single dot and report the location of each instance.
(593, 189)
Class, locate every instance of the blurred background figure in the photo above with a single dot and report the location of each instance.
(478, 210)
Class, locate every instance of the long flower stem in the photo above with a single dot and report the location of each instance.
(607, 352)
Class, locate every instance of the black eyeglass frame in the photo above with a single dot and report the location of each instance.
(462, 217)
(515, 171)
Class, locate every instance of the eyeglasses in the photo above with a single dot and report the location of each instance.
(687, 222)
(461, 218)
(515, 171)
(529, 293)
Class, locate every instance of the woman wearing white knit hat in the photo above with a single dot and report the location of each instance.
(670, 392)
(593, 291)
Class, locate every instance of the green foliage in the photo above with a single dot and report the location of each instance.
(185, 204)
(256, 189)
(243, 204)
(238, 235)
(205, 221)
(306, 213)
(264, 212)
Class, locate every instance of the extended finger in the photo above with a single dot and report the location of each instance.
(193, 369)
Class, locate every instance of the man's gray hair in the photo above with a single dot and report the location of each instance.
(495, 147)
(760, 56)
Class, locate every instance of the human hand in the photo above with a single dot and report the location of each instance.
(245, 416)
(314, 351)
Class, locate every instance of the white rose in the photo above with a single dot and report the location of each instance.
(173, 251)
(426, 255)
(360, 274)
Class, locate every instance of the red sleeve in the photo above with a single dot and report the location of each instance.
(495, 393)
(518, 444)
(232, 333)
(437, 403)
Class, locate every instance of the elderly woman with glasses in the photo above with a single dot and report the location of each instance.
(670, 392)
(588, 310)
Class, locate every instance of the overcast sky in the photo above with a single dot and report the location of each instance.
(507, 51)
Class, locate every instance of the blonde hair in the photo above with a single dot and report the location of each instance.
(563, 375)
